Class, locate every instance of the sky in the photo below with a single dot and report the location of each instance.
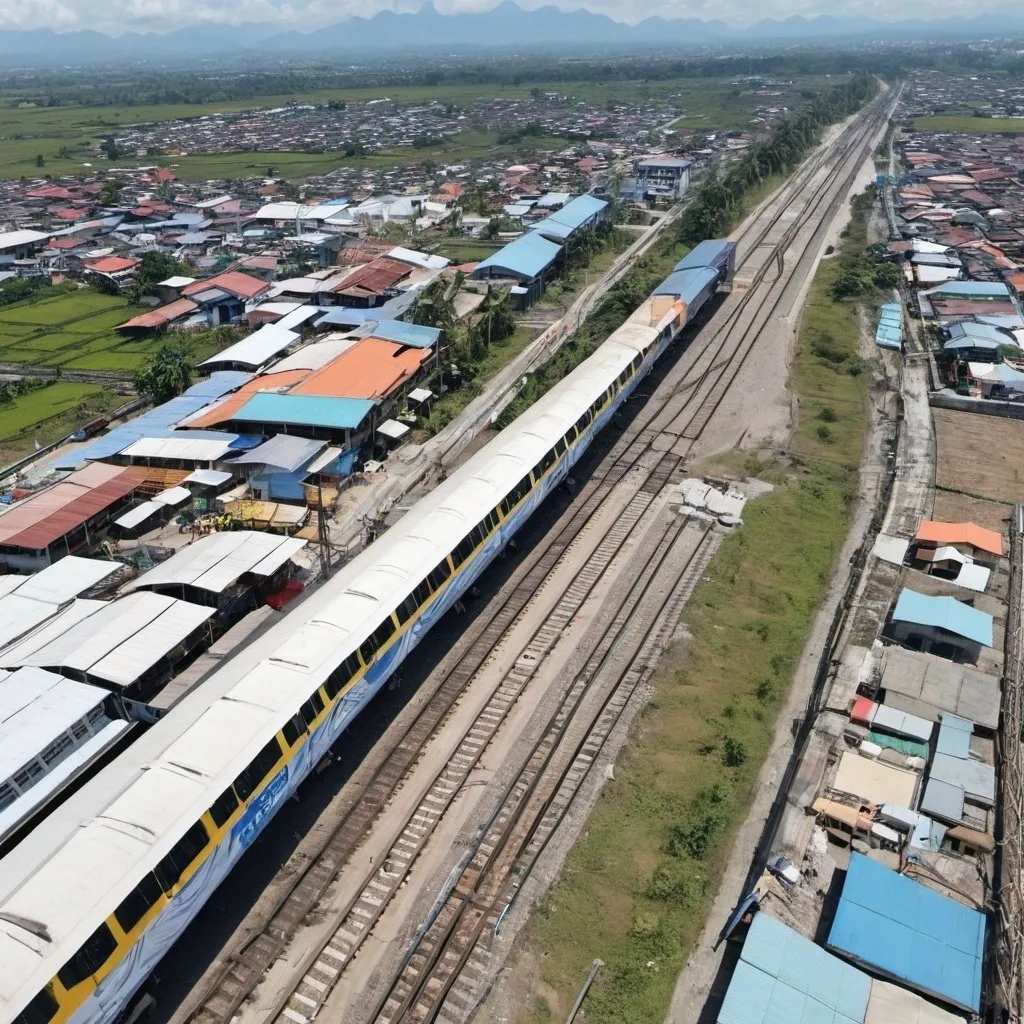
(117, 16)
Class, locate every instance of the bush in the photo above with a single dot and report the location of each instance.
(734, 753)
(824, 434)
(828, 414)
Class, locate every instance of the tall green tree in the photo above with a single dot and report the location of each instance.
(166, 374)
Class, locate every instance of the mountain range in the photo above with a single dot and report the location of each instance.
(504, 26)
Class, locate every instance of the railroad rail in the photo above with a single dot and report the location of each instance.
(243, 970)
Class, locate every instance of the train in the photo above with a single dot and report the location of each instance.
(95, 896)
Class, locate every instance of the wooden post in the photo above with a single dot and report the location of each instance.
(594, 968)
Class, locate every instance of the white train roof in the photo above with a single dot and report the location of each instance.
(74, 869)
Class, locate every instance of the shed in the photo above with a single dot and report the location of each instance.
(874, 781)
(934, 534)
(525, 260)
(901, 929)
(260, 347)
(401, 333)
(309, 411)
(282, 452)
(944, 613)
(781, 976)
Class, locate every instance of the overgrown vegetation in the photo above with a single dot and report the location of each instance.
(636, 890)
(166, 373)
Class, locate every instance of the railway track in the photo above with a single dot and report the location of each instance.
(242, 972)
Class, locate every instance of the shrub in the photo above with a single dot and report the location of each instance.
(734, 753)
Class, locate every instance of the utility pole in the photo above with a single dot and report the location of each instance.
(323, 533)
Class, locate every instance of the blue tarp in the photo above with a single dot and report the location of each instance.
(159, 421)
(527, 257)
(305, 410)
(944, 613)
(899, 928)
(783, 977)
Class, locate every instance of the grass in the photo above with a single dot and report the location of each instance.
(27, 131)
(636, 889)
(971, 124)
(49, 414)
(462, 250)
(74, 329)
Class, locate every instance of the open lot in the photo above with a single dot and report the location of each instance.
(980, 456)
(969, 124)
(73, 330)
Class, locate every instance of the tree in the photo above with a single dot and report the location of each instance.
(497, 318)
(40, 160)
(111, 191)
(155, 267)
(435, 306)
(108, 147)
(166, 374)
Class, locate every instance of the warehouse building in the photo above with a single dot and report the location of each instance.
(528, 261)
(577, 215)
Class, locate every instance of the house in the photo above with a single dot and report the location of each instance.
(528, 261)
(224, 297)
(661, 178)
(985, 547)
(940, 625)
(22, 245)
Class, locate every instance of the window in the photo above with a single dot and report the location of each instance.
(293, 729)
(259, 768)
(312, 708)
(182, 854)
(407, 609)
(463, 550)
(133, 908)
(437, 578)
(560, 448)
(94, 953)
(421, 595)
(223, 807)
(41, 1010)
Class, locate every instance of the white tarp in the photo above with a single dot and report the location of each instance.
(60, 582)
(138, 515)
(890, 549)
(393, 429)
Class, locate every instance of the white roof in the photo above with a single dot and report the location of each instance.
(279, 211)
(312, 357)
(255, 350)
(208, 477)
(920, 245)
(62, 772)
(935, 275)
(218, 560)
(177, 281)
(297, 317)
(61, 581)
(35, 708)
(124, 638)
(139, 514)
(420, 394)
(418, 259)
(297, 286)
(18, 615)
(325, 458)
(393, 429)
(973, 577)
(210, 204)
(12, 239)
(17, 652)
(189, 449)
(891, 549)
(173, 496)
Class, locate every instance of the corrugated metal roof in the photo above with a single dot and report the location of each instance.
(183, 445)
(306, 411)
(283, 452)
(372, 369)
(223, 409)
(712, 252)
(874, 781)
(123, 639)
(257, 349)
(159, 421)
(944, 613)
(138, 515)
(954, 736)
(975, 778)
(527, 257)
(311, 357)
(688, 285)
(900, 928)
(783, 978)
(161, 315)
(219, 560)
(972, 289)
(902, 723)
(890, 1004)
(62, 581)
(402, 333)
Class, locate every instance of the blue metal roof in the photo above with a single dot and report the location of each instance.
(159, 421)
(348, 317)
(526, 257)
(688, 284)
(571, 217)
(783, 978)
(954, 736)
(305, 410)
(901, 929)
(402, 333)
(969, 329)
(944, 613)
(973, 289)
(709, 253)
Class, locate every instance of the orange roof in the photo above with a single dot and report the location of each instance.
(224, 410)
(161, 316)
(930, 532)
(1016, 282)
(112, 264)
(370, 369)
(242, 285)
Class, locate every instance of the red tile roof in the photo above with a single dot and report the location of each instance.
(66, 243)
(70, 214)
(243, 286)
(112, 264)
(374, 278)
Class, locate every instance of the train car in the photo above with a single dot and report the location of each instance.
(97, 894)
(712, 252)
(692, 288)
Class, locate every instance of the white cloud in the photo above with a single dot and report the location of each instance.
(117, 16)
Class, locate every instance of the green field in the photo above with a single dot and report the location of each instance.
(27, 132)
(49, 414)
(464, 250)
(71, 329)
(971, 125)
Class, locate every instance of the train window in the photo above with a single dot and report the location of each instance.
(335, 683)
(367, 650)
(312, 708)
(293, 729)
(637, 361)
(463, 550)
(560, 448)
(223, 807)
(41, 1010)
(384, 632)
(507, 504)
(184, 851)
(259, 768)
(92, 955)
(439, 575)
(492, 520)
(407, 609)
(525, 486)
(421, 595)
(134, 906)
